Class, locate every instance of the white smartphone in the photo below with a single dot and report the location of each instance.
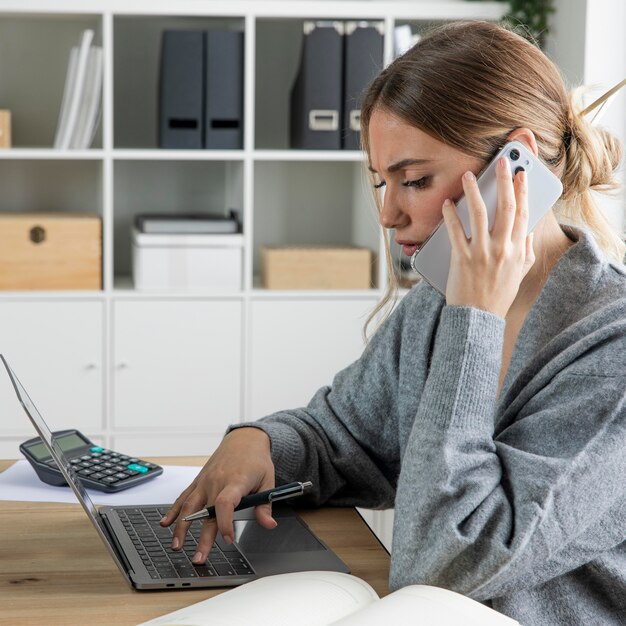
(432, 260)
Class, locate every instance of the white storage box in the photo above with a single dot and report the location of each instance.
(187, 262)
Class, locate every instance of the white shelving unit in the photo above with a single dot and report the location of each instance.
(166, 373)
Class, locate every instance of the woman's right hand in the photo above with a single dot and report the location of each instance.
(242, 464)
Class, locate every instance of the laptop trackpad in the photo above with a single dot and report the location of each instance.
(289, 536)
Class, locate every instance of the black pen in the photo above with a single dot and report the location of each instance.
(283, 492)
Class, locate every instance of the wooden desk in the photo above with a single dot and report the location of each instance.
(55, 571)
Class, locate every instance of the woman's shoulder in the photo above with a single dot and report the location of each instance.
(588, 299)
(586, 279)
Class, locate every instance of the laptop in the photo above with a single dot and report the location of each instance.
(140, 546)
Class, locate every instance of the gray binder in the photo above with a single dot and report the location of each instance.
(223, 126)
(363, 59)
(316, 96)
(181, 89)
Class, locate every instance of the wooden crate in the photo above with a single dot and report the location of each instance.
(287, 267)
(5, 129)
(50, 251)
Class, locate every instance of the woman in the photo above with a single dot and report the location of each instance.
(494, 419)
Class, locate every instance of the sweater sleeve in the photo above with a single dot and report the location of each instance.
(345, 440)
(486, 515)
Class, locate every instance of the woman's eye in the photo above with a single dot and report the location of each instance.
(380, 184)
(419, 183)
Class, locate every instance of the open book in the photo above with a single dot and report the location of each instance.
(325, 598)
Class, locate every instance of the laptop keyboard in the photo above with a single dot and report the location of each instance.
(153, 543)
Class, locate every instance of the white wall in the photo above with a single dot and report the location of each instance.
(587, 42)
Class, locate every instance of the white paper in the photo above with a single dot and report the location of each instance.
(301, 598)
(423, 605)
(20, 482)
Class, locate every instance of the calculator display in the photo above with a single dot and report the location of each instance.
(39, 451)
(66, 443)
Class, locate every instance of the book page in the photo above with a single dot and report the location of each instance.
(300, 598)
(422, 605)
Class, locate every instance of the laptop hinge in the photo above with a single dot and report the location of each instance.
(108, 530)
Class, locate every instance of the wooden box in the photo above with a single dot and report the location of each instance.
(5, 129)
(309, 267)
(50, 251)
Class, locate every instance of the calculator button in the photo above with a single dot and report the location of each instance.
(96, 449)
(131, 472)
(97, 475)
(109, 479)
(148, 465)
(138, 468)
(86, 472)
(108, 472)
(75, 461)
(105, 457)
(121, 476)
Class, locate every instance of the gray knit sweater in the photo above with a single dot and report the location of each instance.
(518, 501)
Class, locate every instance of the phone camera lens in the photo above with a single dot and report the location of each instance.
(518, 169)
(514, 154)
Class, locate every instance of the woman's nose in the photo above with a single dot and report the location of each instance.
(391, 214)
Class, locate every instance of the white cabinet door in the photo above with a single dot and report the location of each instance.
(56, 350)
(297, 346)
(177, 365)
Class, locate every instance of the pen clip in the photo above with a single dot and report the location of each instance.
(289, 492)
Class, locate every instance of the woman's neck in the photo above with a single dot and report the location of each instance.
(550, 242)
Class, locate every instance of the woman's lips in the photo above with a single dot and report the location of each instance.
(410, 248)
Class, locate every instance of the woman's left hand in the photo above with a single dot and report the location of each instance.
(486, 271)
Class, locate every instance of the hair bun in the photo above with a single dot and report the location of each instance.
(592, 154)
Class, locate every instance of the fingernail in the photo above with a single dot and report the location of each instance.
(175, 543)
(228, 539)
(522, 177)
(469, 176)
(197, 557)
(447, 203)
(503, 162)
(163, 519)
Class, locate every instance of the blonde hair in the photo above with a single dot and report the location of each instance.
(469, 85)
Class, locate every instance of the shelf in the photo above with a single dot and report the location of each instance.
(177, 155)
(121, 154)
(51, 294)
(259, 293)
(50, 154)
(344, 9)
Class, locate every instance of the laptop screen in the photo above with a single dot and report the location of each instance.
(61, 460)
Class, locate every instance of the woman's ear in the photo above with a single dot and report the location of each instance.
(525, 136)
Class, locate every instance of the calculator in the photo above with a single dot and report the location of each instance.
(96, 467)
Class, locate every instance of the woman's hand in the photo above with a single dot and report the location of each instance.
(241, 465)
(486, 271)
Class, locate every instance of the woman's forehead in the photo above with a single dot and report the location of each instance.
(392, 140)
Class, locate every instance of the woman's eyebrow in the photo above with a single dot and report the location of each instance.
(394, 167)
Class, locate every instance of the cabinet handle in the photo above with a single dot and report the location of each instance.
(91, 366)
(122, 365)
